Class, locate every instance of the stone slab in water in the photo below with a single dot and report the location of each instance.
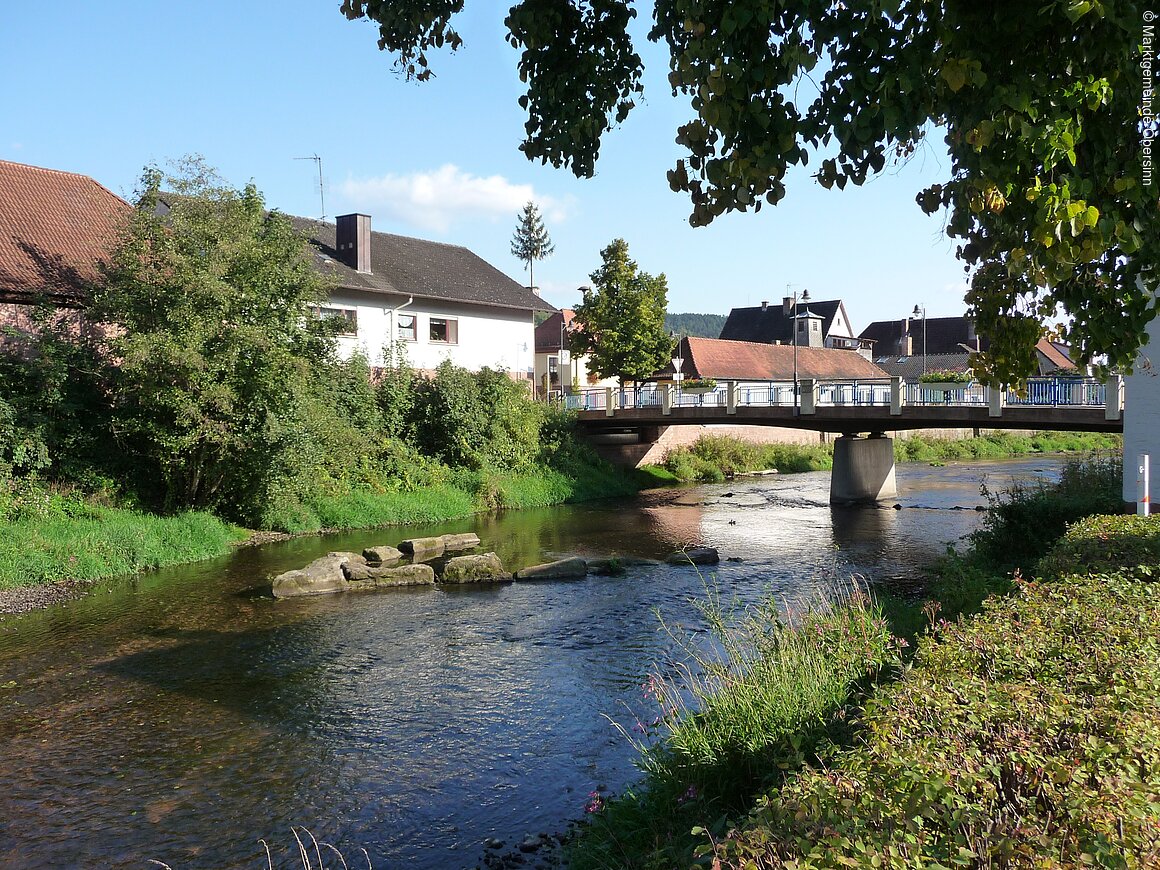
(323, 576)
(422, 549)
(561, 569)
(694, 556)
(383, 555)
(480, 568)
(466, 541)
(388, 577)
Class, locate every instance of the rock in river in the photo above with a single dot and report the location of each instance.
(562, 569)
(482, 568)
(380, 576)
(455, 543)
(422, 549)
(694, 556)
(383, 555)
(321, 577)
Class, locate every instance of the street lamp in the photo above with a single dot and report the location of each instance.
(805, 298)
(916, 313)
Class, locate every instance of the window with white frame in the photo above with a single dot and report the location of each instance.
(444, 330)
(406, 327)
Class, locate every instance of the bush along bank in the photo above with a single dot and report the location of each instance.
(366, 453)
(1029, 730)
(714, 458)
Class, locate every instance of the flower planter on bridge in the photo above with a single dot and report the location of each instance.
(946, 386)
(698, 391)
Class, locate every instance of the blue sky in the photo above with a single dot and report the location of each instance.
(105, 88)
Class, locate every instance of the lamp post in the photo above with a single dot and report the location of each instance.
(921, 311)
(805, 298)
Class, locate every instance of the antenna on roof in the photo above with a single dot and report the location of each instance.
(321, 195)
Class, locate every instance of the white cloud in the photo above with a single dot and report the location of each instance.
(435, 199)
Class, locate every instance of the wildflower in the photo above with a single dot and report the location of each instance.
(690, 795)
(595, 802)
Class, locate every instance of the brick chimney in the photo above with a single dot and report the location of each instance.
(353, 241)
(786, 305)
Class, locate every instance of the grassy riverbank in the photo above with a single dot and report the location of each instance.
(715, 457)
(53, 536)
(1029, 729)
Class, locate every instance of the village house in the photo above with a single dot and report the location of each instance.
(557, 368)
(56, 228)
(819, 324)
(747, 362)
(441, 301)
(912, 345)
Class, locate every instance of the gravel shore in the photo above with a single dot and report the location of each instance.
(28, 598)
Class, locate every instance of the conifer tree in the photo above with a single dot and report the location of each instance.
(531, 241)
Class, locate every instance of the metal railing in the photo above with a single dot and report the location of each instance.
(1057, 392)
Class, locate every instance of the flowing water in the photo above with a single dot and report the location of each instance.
(178, 717)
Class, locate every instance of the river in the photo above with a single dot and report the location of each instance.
(176, 716)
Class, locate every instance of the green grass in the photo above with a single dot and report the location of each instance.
(753, 702)
(108, 543)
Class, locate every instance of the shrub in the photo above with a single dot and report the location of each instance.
(1028, 736)
(1022, 524)
(1105, 543)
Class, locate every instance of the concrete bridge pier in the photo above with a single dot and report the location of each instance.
(863, 469)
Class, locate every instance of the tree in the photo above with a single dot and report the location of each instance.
(531, 241)
(218, 364)
(1049, 191)
(622, 319)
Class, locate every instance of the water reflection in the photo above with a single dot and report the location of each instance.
(172, 716)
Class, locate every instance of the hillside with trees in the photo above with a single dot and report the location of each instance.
(696, 325)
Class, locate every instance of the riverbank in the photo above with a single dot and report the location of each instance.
(714, 458)
(55, 556)
(67, 542)
(806, 787)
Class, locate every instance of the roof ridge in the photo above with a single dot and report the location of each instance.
(381, 232)
(79, 175)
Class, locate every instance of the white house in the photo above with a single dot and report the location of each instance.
(442, 300)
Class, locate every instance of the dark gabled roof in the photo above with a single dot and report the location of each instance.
(55, 229)
(750, 361)
(942, 335)
(414, 267)
(910, 368)
(771, 323)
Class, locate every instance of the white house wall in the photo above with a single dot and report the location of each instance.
(499, 338)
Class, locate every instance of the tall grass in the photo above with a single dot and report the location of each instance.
(109, 543)
(755, 697)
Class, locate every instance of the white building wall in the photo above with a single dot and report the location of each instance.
(1142, 413)
(500, 338)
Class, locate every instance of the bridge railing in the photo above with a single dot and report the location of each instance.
(1074, 392)
(1060, 391)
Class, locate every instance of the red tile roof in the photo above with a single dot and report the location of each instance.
(749, 361)
(1055, 356)
(54, 229)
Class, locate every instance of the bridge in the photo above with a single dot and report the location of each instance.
(863, 466)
